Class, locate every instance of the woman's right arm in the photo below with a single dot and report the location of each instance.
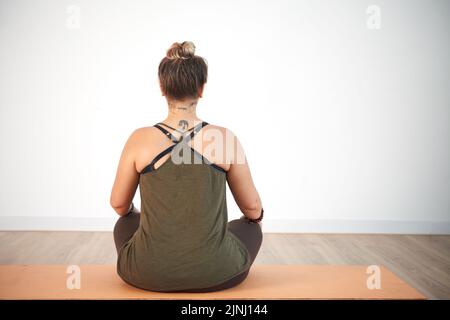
(241, 183)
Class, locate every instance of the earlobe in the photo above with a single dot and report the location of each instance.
(200, 91)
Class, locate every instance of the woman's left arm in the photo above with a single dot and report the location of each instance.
(127, 178)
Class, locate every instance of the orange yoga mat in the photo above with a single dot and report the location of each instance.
(263, 282)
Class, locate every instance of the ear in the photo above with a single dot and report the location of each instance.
(200, 91)
(160, 87)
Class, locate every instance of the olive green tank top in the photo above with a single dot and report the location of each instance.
(182, 241)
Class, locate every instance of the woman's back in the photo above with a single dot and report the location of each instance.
(182, 240)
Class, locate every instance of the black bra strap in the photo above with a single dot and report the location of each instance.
(151, 166)
(167, 133)
(166, 125)
(162, 154)
(195, 129)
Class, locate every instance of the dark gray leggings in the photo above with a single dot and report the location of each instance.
(249, 233)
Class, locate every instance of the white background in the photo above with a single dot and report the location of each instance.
(346, 128)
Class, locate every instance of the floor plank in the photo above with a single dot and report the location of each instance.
(421, 260)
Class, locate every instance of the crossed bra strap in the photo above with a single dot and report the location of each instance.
(194, 129)
(166, 125)
(176, 141)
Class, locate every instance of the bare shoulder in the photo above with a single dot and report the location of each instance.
(226, 133)
(143, 144)
(226, 140)
(222, 135)
(144, 132)
(141, 137)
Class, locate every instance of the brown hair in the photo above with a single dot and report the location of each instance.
(181, 73)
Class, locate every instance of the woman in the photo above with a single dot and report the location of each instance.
(181, 241)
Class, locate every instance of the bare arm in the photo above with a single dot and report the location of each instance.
(241, 183)
(127, 178)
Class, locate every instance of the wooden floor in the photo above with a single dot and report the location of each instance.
(421, 260)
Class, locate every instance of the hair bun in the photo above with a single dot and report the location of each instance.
(184, 50)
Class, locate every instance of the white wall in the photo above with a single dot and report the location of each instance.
(346, 128)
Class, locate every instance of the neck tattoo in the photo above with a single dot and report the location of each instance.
(183, 125)
(193, 103)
